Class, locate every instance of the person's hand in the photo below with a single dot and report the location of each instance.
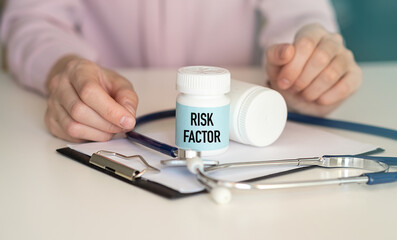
(315, 73)
(88, 102)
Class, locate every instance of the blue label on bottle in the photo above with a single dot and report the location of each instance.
(202, 128)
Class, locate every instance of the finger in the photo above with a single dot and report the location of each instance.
(277, 56)
(53, 125)
(324, 53)
(343, 88)
(80, 112)
(305, 43)
(71, 129)
(326, 79)
(94, 95)
(57, 131)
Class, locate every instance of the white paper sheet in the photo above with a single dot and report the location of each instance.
(297, 140)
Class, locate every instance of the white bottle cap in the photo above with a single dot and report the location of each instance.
(203, 80)
(258, 114)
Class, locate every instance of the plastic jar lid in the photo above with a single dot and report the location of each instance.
(203, 80)
(262, 117)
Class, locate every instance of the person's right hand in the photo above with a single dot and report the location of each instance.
(88, 102)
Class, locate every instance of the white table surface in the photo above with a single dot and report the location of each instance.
(47, 196)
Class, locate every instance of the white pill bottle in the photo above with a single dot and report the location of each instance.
(257, 114)
(202, 109)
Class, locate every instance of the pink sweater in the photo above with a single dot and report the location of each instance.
(148, 33)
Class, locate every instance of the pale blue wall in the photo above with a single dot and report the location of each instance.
(369, 27)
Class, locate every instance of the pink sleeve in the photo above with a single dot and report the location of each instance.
(283, 18)
(37, 33)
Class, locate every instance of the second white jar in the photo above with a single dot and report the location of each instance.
(257, 114)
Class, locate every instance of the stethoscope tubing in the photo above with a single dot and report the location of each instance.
(345, 125)
(172, 151)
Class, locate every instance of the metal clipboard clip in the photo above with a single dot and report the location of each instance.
(99, 159)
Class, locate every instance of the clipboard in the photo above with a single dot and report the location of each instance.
(140, 182)
(151, 186)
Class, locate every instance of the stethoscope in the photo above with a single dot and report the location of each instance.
(377, 167)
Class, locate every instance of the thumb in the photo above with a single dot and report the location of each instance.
(123, 92)
(125, 95)
(276, 57)
(128, 98)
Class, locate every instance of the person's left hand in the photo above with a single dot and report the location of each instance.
(315, 73)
